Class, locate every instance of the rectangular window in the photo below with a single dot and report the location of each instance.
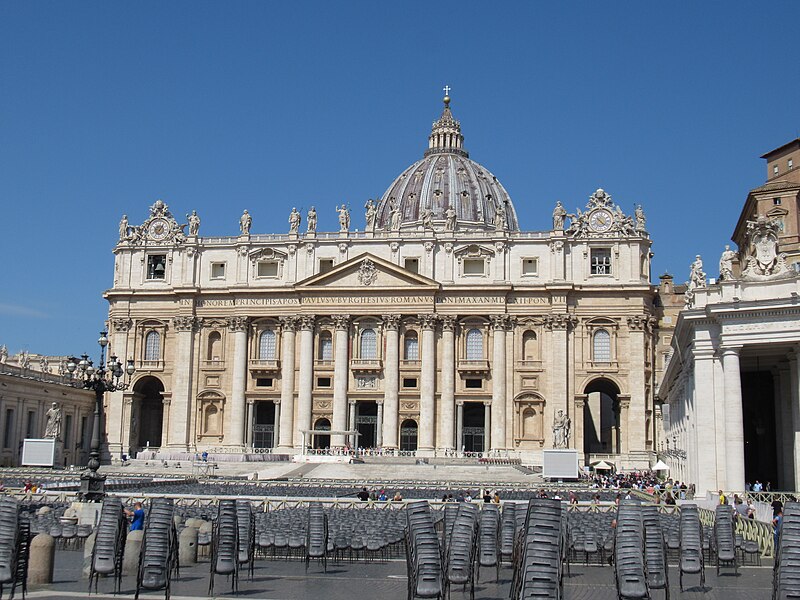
(217, 270)
(409, 382)
(9, 428)
(473, 384)
(323, 382)
(31, 424)
(776, 201)
(67, 432)
(267, 268)
(156, 266)
(474, 266)
(601, 261)
(775, 170)
(790, 163)
(530, 266)
(264, 382)
(412, 264)
(325, 265)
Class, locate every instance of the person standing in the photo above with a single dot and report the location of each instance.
(777, 521)
(137, 517)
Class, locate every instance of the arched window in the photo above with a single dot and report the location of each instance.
(411, 348)
(152, 346)
(601, 346)
(266, 345)
(325, 345)
(529, 346)
(368, 349)
(214, 346)
(474, 344)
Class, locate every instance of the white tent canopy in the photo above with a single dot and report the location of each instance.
(660, 466)
(602, 466)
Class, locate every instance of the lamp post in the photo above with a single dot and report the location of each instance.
(106, 377)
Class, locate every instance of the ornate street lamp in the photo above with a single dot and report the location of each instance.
(106, 377)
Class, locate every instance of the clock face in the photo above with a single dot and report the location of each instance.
(601, 221)
(158, 229)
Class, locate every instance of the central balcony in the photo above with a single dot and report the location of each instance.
(366, 365)
(473, 366)
(260, 366)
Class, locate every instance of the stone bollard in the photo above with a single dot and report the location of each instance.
(187, 547)
(178, 520)
(88, 548)
(204, 551)
(133, 547)
(42, 559)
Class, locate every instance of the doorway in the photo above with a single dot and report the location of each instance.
(601, 428)
(264, 427)
(322, 441)
(408, 435)
(150, 419)
(367, 423)
(474, 427)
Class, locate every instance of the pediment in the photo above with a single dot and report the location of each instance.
(368, 272)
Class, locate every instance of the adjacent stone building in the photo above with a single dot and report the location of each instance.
(441, 327)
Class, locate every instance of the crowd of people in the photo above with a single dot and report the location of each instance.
(646, 481)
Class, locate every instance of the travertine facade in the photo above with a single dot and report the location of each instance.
(440, 327)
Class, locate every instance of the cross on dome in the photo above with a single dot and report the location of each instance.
(446, 90)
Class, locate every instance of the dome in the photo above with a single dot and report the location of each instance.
(445, 178)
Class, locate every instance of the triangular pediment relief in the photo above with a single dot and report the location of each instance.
(368, 272)
(777, 212)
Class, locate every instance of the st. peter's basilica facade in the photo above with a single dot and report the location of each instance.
(440, 327)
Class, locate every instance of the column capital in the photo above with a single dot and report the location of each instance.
(238, 323)
(288, 323)
(391, 322)
(637, 322)
(728, 350)
(341, 321)
(459, 403)
(559, 321)
(448, 322)
(499, 322)
(307, 322)
(427, 321)
(121, 325)
(251, 402)
(183, 324)
(580, 400)
(487, 402)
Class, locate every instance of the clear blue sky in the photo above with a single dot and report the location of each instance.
(107, 106)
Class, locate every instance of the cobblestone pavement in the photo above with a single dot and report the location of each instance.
(287, 580)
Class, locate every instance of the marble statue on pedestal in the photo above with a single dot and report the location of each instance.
(311, 220)
(52, 428)
(194, 223)
(245, 222)
(561, 430)
(559, 214)
(294, 221)
(726, 264)
(370, 214)
(344, 218)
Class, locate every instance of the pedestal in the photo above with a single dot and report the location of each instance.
(93, 487)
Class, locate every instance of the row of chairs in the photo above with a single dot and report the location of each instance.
(423, 554)
(541, 550)
(786, 574)
(158, 559)
(109, 544)
(460, 551)
(629, 553)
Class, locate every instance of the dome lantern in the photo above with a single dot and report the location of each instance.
(446, 133)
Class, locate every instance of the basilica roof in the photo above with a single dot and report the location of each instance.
(445, 178)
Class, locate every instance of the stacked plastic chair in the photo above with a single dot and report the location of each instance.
(629, 553)
(109, 544)
(461, 551)
(225, 545)
(317, 535)
(786, 576)
(14, 547)
(423, 555)
(247, 535)
(725, 538)
(508, 530)
(541, 551)
(489, 540)
(655, 550)
(159, 554)
(692, 561)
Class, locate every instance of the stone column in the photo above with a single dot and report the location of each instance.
(427, 408)
(379, 426)
(118, 425)
(391, 381)
(734, 425)
(276, 426)
(181, 382)
(459, 426)
(635, 433)
(235, 416)
(287, 382)
(776, 407)
(447, 407)
(577, 422)
(787, 399)
(251, 421)
(558, 325)
(487, 425)
(306, 383)
(498, 430)
(341, 370)
(704, 438)
(624, 409)
(354, 441)
(794, 436)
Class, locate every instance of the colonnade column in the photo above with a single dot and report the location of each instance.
(487, 423)
(340, 375)
(498, 410)
(577, 422)
(286, 439)
(379, 427)
(794, 374)
(427, 408)
(251, 421)
(447, 408)
(391, 381)
(636, 435)
(459, 426)
(704, 419)
(238, 325)
(786, 425)
(734, 423)
(306, 383)
(558, 325)
(119, 413)
(181, 383)
(624, 409)
(276, 426)
(353, 441)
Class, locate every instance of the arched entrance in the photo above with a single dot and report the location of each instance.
(367, 423)
(408, 435)
(474, 427)
(322, 441)
(264, 427)
(147, 424)
(601, 428)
